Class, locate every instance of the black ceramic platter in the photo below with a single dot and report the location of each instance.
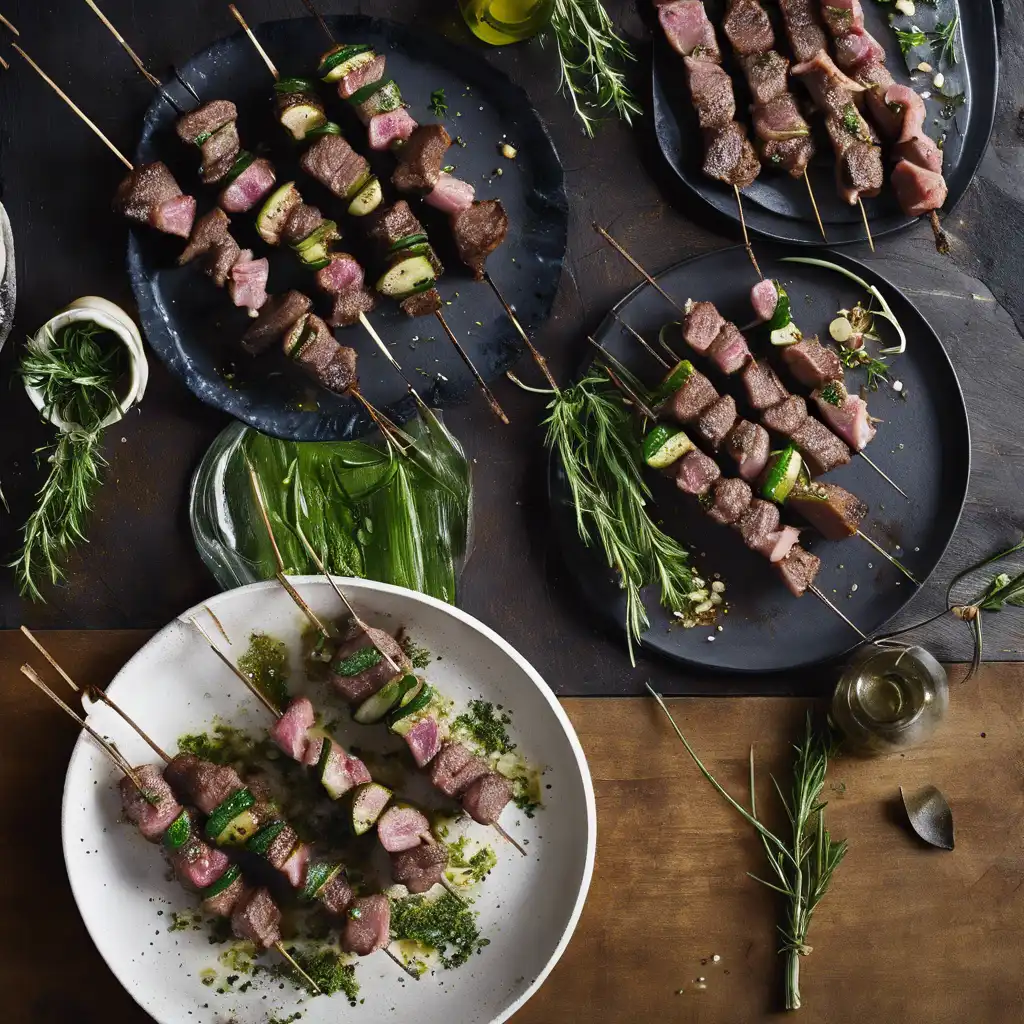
(923, 444)
(777, 206)
(194, 327)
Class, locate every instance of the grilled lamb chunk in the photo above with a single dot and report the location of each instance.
(749, 445)
(337, 895)
(821, 449)
(786, 417)
(921, 150)
(343, 772)
(384, 130)
(290, 732)
(257, 919)
(855, 50)
(812, 363)
(422, 304)
(249, 187)
(392, 224)
(877, 79)
(451, 195)
(729, 350)
(225, 902)
(296, 865)
(144, 189)
(711, 93)
(763, 387)
(833, 92)
(918, 189)
(767, 75)
(455, 768)
(420, 868)
(478, 231)
(842, 16)
(280, 849)
(205, 120)
(301, 223)
(202, 783)
(420, 160)
(486, 798)
(687, 28)
(832, 510)
(798, 570)
(276, 318)
(701, 325)
(367, 925)
(806, 36)
(154, 815)
(330, 364)
(846, 414)
(779, 120)
(859, 171)
(349, 305)
(247, 281)
(729, 156)
(731, 498)
(335, 164)
(777, 545)
(356, 688)
(198, 865)
(342, 274)
(764, 297)
(174, 216)
(361, 77)
(220, 151)
(748, 28)
(424, 740)
(401, 828)
(790, 155)
(210, 230)
(760, 520)
(222, 258)
(693, 399)
(696, 473)
(716, 423)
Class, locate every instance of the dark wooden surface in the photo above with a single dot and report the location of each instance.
(140, 567)
(907, 935)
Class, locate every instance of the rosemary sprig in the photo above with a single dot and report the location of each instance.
(943, 40)
(591, 53)
(804, 864)
(595, 438)
(77, 372)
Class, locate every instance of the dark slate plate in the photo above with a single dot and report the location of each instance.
(194, 328)
(923, 444)
(777, 206)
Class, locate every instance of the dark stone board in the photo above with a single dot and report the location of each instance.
(140, 567)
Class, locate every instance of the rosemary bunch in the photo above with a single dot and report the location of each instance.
(591, 54)
(594, 435)
(77, 371)
(804, 863)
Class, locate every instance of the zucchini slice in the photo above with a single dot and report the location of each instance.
(783, 473)
(374, 708)
(330, 786)
(367, 199)
(674, 380)
(664, 445)
(260, 843)
(216, 888)
(224, 814)
(386, 98)
(242, 161)
(782, 330)
(293, 85)
(318, 874)
(327, 128)
(314, 249)
(301, 114)
(407, 242)
(405, 276)
(178, 832)
(368, 805)
(416, 702)
(300, 334)
(388, 85)
(274, 214)
(343, 60)
(788, 335)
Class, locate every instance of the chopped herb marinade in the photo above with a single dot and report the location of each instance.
(486, 726)
(444, 924)
(265, 662)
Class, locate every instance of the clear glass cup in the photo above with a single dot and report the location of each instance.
(889, 699)
(499, 22)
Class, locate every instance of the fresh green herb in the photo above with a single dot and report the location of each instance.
(591, 53)
(486, 726)
(185, 922)
(943, 40)
(834, 393)
(438, 107)
(469, 870)
(908, 39)
(224, 744)
(857, 358)
(419, 656)
(265, 662)
(594, 435)
(443, 923)
(803, 864)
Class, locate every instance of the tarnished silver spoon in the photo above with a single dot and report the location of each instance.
(7, 289)
(930, 816)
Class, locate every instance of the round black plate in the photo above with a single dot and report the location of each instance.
(923, 444)
(195, 329)
(777, 206)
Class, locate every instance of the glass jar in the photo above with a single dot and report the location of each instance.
(889, 699)
(506, 21)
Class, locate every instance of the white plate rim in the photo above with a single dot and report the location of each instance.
(351, 584)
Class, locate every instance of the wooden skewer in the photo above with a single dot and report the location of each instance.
(814, 205)
(888, 479)
(636, 266)
(271, 67)
(67, 99)
(643, 341)
(311, 7)
(941, 238)
(746, 236)
(5, 22)
(4, 64)
(821, 597)
(625, 388)
(534, 351)
(867, 227)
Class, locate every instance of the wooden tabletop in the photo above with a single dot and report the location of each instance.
(908, 934)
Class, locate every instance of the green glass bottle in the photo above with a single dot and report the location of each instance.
(499, 22)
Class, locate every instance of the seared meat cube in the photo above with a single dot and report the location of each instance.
(487, 798)
(350, 304)
(748, 28)
(220, 151)
(696, 473)
(420, 868)
(731, 498)
(210, 230)
(337, 895)
(154, 807)
(798, 570)
(257, 919)
(392, 224)
(693, 399)
(832, 510)
(767, 74)
(202, 783)
(421, 159)
(319, 354)
(205, 120)
(729, 156)
(812, 363)
(224, 903)
(281, 848)
(401, 828)
(301, 223)
(198, 865)
(760, 520)
(763, 387)
(729, 350)
(786, 417)
(455, 769)
(357, 687)
(422, 304)
(821, 449)
(716, 423)
(478, 231)
(701, 325)
(336, 165)
(144, 190)
(367, 925)
(278, 315)
(223, 256)
(748, 443)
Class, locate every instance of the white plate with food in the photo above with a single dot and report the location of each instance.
(512, 915)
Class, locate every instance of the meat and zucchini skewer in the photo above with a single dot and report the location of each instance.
(149, 802)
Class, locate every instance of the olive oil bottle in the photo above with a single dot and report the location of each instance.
(506, 21)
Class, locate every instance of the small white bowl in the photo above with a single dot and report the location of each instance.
(121, 325)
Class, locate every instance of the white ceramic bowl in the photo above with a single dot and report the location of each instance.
(119, 323)
(528, 906)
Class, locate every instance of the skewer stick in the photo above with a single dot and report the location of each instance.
(814, 205)
(941, 238)
(96, 694)
(890, 558)
(508, 839)
(67, 99)
(821, 597)
(4, 64)
(643, 341)
(279, 946)
(271, 66)
(746, 237)
(481, 383)
(250, 685)
(636, 266)
(379, 342)
(625, 388)
(112, 752)
(867, 227)
(884, 476)
(537, 357)
(308, 4)
(5, 22)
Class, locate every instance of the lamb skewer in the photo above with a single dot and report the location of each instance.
(253, 914)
